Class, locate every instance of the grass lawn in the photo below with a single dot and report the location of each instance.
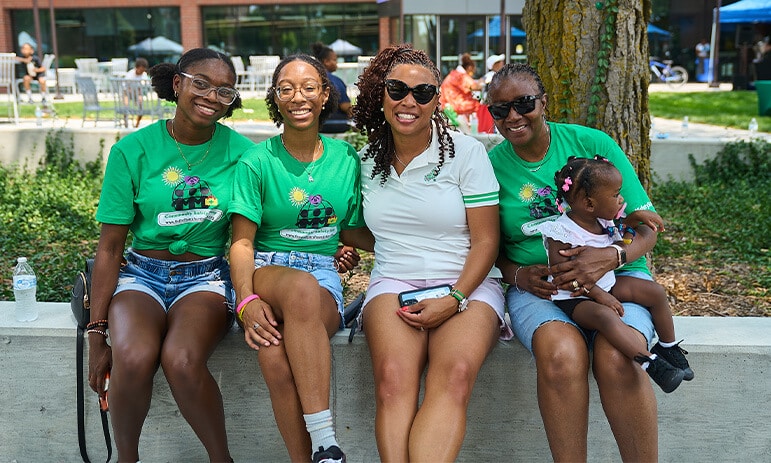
(723, 109)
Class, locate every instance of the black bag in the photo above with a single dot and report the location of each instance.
(81, 309)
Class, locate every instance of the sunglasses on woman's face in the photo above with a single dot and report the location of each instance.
(398, 90)
(522, 105)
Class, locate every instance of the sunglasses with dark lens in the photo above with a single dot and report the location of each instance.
(522, 105)
(398, 90)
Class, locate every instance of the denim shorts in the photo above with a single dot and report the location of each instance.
(321, 267)
(528, 312)
(168, 281)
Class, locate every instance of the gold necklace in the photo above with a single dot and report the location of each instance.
(312, 164)
(538, 167)
(179, 148)
(430, 139)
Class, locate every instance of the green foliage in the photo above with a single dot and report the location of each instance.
(721, 218)
(48, 216)
(607, 42)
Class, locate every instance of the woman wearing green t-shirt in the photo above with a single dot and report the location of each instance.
(169, 301)
(293, 194)
(525, 163)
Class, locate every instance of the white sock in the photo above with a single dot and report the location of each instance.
(667, 344)
(321, 429)
(646, 364)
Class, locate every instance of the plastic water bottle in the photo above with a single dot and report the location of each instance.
(38, 116)
(473, 123)
(25, 291)
(685, 126)
(753, 127)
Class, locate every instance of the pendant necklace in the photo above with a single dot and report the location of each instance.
(312, 164)
(179, 148)
(538, 167)
(430, 139)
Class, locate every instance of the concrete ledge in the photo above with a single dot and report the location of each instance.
(722, 415)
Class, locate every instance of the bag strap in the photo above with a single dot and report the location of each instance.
(81, 405)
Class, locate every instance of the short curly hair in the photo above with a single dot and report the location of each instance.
(368, 111)
(329, 106)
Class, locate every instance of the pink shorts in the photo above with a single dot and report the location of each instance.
(489, 291)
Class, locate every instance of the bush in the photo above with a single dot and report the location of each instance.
(48, 216)
(721, 217)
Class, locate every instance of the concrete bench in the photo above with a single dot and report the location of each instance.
(722, 415)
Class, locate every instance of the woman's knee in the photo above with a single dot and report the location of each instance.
(457, 379)
(301, 299)
(392, 381)
(561, 357)
(610, 366)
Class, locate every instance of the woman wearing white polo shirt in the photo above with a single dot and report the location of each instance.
(431, 201)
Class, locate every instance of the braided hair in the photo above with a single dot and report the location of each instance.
(368, 111)
(270, 97)
(579, 177)
(163, 74)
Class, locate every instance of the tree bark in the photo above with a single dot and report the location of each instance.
(565, 43)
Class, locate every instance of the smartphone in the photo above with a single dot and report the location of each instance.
(414, 296)
(103, 401)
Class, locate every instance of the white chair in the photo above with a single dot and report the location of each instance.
(136, 97)
(242, 75)
(119, 67)
(66, 80)
(89, 67)
(8, 82)
(87, 88)
(262, 70)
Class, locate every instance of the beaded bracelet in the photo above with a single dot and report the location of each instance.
(516, 286)
(96, 324)
(242, 306)
(94, 330)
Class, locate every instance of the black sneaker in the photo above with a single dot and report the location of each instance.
(331, 455)
(660, 371)
(675, 355)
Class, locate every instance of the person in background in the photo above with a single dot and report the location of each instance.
(524, 163)
(293, 195)
(168, 301)
(457, 89)
(32, 70)
(430, 200)
(702, 53)
(494, 64)
(138, 73)
(340, 119)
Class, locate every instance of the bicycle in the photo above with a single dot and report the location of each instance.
(674, 76)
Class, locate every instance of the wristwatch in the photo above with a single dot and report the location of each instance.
(621, 255)
(461, 298)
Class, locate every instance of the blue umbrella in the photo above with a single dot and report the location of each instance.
(495, 30)
(653, 30)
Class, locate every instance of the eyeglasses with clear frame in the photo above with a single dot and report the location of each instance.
(201, 87)
(310, 90)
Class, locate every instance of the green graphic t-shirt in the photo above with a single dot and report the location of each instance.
(298, 206)
(147, 185)
(528, 194)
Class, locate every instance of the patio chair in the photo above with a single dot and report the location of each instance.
(87, 88)
(242, 75)
(8, 82)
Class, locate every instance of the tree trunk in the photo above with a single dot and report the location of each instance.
(593, 59)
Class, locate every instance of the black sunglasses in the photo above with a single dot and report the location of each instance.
(398, 90)
(523, 105)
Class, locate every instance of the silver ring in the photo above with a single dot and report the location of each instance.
(255, 326)
(422, 329)
(585, 289)
(575, 284)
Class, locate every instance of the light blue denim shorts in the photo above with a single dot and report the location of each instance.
(321, 267)
(168, 281)
(528, 312)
